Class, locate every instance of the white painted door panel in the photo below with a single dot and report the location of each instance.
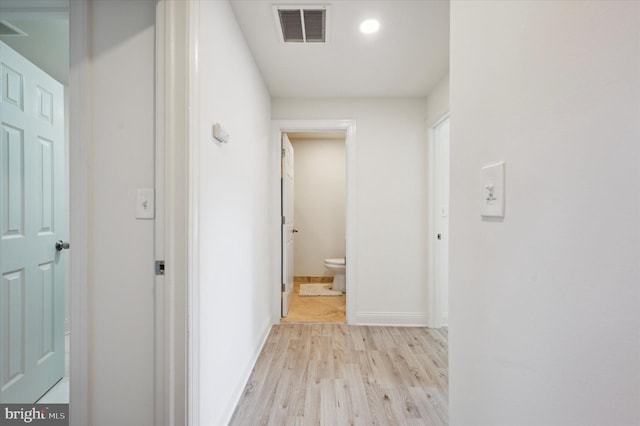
(287, 224)
(32, 209)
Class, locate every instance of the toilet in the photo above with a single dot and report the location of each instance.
(338, 268)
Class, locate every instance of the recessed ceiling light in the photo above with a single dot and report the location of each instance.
(369, 26)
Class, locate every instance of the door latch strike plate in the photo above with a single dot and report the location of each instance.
(159, 267)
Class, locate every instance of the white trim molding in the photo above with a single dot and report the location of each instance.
(193, 238)
(172, 214)
(80, 96)
(238, 391)
(283, 126)
(408, 319)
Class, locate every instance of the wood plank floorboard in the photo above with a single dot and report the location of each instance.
(338, 374)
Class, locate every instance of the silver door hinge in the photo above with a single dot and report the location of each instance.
(283, 153)
(284, 287)
(284, 220)
(159, 267)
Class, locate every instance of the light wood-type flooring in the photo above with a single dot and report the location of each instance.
(315, 308)
(337, 374)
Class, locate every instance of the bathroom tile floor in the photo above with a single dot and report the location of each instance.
(316, 308)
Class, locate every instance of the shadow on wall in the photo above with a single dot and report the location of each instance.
(126, 28)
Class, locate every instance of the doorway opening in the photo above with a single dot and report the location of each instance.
(314, 246)
(35, 291)
(439, 222)
(283, 268)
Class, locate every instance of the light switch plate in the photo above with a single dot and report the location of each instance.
(145, 204)
(493, 190)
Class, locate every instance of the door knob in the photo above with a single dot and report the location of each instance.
(439, 236)
(61, 245)
(294, 231)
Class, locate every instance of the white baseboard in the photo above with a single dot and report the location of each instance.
(242, 383)
(415, 319)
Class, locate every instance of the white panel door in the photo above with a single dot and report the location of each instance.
(441, 154)
(32, 209)
(287, 224)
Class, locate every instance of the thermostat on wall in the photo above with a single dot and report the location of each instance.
(220, 133)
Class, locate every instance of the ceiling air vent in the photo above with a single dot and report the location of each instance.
(302, 24)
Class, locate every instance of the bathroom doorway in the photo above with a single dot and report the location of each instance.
(319, 226)
(439, 220)
(339, 136)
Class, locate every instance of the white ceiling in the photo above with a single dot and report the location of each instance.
(46, 23)
(47, 45)
(406, 58)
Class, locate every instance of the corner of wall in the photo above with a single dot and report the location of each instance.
(438, 101)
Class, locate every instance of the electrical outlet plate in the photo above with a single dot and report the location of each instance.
(493, 190)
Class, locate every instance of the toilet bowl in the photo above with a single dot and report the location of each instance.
(338, 268)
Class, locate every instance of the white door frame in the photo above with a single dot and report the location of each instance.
(434, 287)
(173, 238)
(283, 126)
(177, 313)
(79, 141)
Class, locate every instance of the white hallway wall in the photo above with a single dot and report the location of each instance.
(391, 191)
(235, 312)
(319, 204)
(233, 224)
(544, 304)
(121, 259)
